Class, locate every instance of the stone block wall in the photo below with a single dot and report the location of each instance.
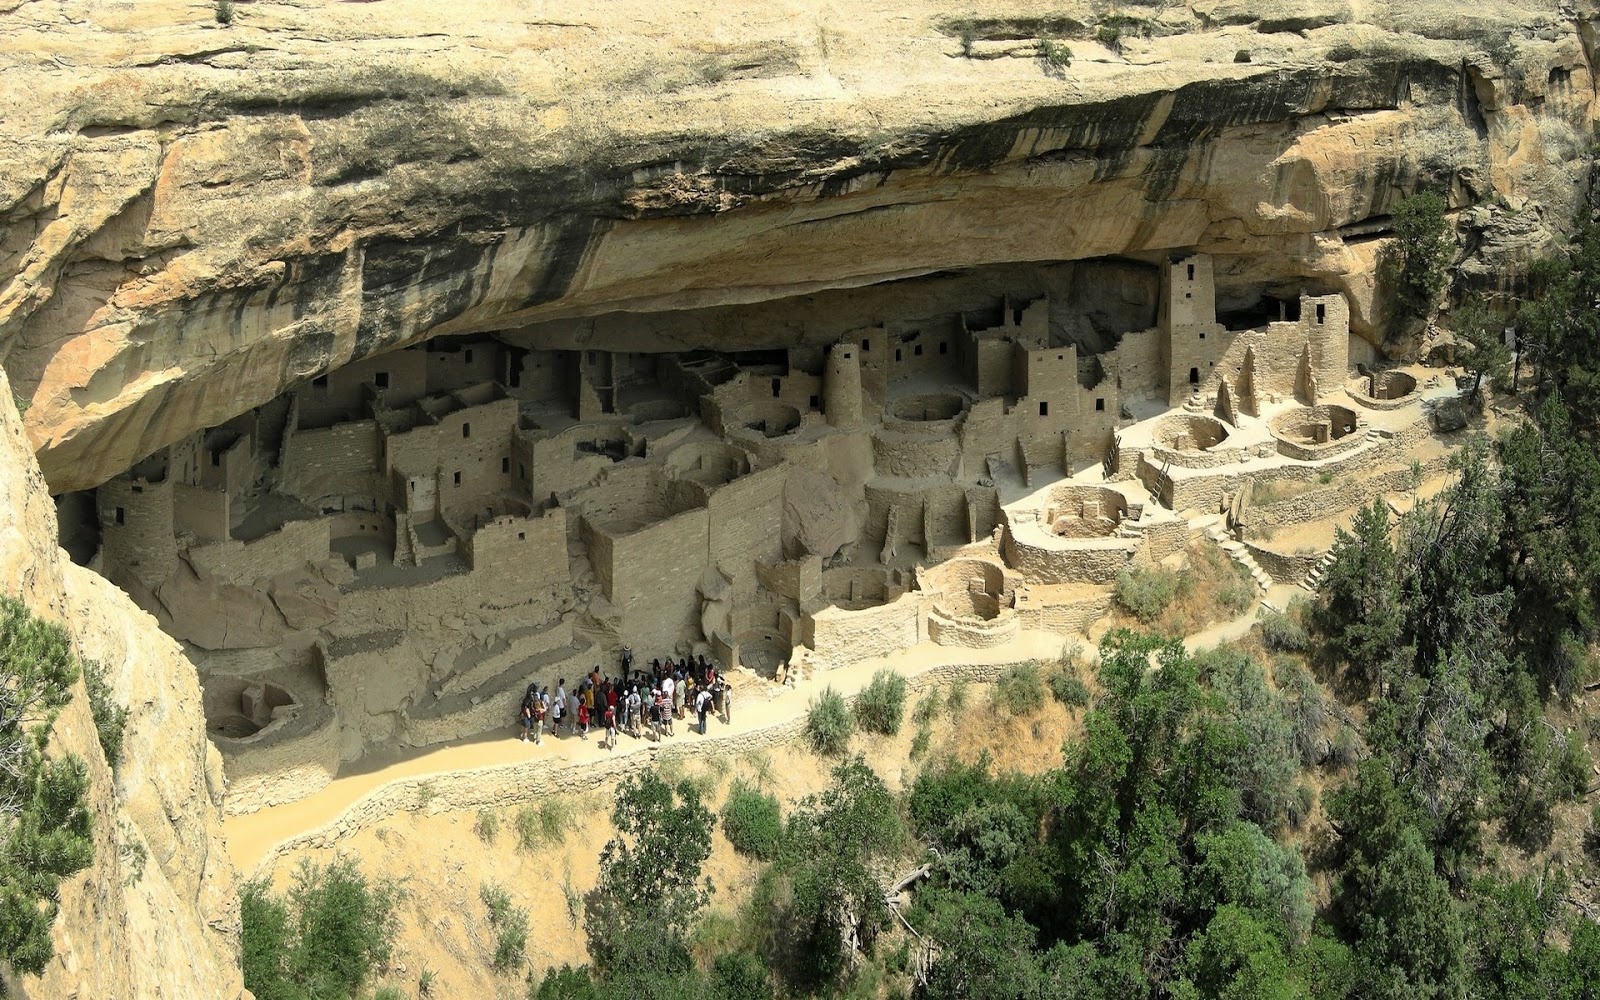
(288, 549)
(745, 522)
(655, 577)
(332, 463)
(1063, 617)
(470, 447)
(1089, 561)
(972, 633)
(204, 513)
(531, 548)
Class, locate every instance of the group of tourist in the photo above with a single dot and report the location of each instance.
(640, 702)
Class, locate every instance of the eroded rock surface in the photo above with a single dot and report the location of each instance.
(157, 911)
(195, 217)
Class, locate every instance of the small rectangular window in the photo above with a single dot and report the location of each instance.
(505, 466)
(381, 380)
(1044, 409)
(1099, 405)
(458, 479)
(121, 514)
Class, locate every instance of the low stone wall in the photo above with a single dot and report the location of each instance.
(285, 550)
(299, 761)
(1283, 567)
(1073, 616)
(1089, 561)
(506, 785)
(852, 636)
(1340, 495)
(972, 633)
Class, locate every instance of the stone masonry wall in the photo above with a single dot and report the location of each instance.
(289, 548)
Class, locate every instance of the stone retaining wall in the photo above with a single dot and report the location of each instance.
(285, 770)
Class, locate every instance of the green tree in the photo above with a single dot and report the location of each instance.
(1549, 545)
(822, 900)
(1406, 932)
(45, 827)
(1415, 261)
(1482, 333)
(650, 888)
(1560, 327)
(1358, 609)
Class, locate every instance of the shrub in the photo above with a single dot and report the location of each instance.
(329, 936)
(829, 725)
(487, 825)
(880, 707)
(110, 718)
(1281, 633)
(1067, 688)
(511, 927)
(498, 901)
(969, 35)
(752, 821)
(1146, 593)
(1055, 54)
(956, 699)
(1019, 689)
(919, 742)
(511, 940)
(546, 823)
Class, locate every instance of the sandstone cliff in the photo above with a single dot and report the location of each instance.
(195, 216)
(156, 914)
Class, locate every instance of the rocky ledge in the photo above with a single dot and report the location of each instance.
(196, 216)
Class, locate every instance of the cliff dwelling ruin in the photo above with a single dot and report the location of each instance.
(387, 554)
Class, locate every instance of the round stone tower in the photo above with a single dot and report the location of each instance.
(841, 386)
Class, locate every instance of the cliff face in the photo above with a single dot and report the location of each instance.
(194, 217)
(156, 913)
